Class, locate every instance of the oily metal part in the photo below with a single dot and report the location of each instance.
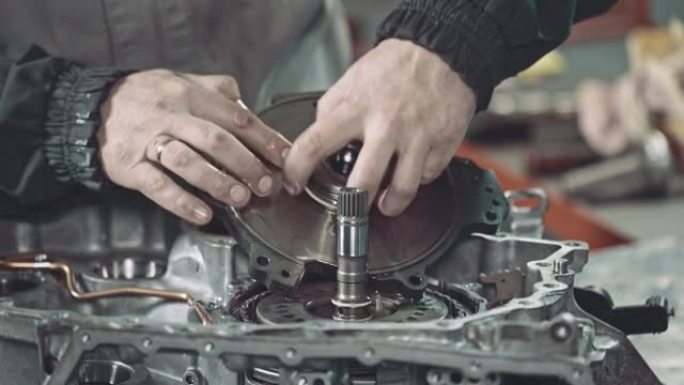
(312, 302)
(541, 333)
(351, 300)
(41, 262)
(299, 230)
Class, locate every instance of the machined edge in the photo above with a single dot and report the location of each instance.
(370, 344)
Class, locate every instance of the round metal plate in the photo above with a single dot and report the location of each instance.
(283, 235)
(304, 228)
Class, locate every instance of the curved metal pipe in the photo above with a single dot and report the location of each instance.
(41, 262)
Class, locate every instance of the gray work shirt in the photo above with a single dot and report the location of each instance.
(242, 38)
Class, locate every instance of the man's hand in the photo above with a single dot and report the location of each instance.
(400, 100)
(158, 122)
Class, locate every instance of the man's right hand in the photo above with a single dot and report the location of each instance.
(157, 122)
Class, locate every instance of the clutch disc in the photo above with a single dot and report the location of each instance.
(285, 236)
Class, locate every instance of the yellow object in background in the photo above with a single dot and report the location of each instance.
(656, 43)
(551, 64)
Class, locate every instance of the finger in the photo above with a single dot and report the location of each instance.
(161, 189)
(371, 165)
(265, 141)
(234, 117)
(225, 150)
(436, 161)
(320, 140)
(222, 84)
(185, 162)
(405, 181)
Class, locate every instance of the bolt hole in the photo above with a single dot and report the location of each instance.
(456, 377)
(189, 379)
(285, 274)
(318, 381)
(415, 280)
(491, 216)
(489, 189)
(496, 203)
(262, 261)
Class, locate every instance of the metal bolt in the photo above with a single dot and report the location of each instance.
(560, 266)
(561, 331)
(192, 377)
(290, 353)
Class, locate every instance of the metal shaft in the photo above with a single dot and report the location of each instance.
(646, 170)
(351, 301)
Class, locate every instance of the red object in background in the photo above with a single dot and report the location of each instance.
(556, 159)
(564, 219)
(626, 15)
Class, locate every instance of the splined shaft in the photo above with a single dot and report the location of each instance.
(351, 301)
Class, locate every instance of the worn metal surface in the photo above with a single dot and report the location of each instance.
(538, 333)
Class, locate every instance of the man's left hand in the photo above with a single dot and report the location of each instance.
(400, 100)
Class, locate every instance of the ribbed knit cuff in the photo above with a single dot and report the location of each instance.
(73, 118)
(449, 33)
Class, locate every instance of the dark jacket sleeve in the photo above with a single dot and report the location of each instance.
(49, 114)
(487, 41)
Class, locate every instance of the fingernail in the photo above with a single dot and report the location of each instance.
(242, 104)
(265, 184)
(238, 194)
(202, 214)
(285, 152)
(241, 118)
(291, 189)
(382, 203)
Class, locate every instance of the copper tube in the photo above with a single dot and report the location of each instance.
(41, 262)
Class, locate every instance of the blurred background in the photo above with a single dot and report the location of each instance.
(599, 124)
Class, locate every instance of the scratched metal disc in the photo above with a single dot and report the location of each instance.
(282, 234)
